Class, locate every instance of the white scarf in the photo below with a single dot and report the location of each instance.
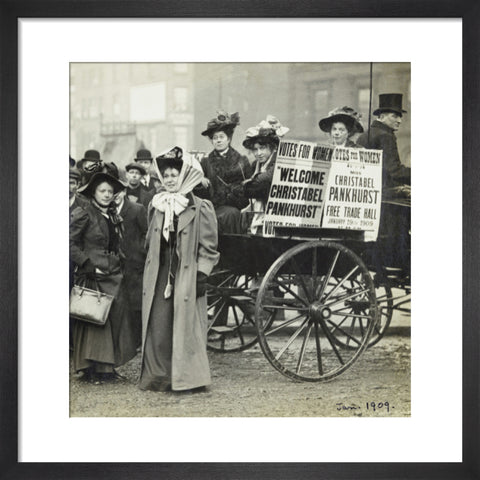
(171, 204)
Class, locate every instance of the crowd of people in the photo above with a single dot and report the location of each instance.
(151, 241)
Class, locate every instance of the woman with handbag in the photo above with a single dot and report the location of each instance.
(95, 233)
(182, 251)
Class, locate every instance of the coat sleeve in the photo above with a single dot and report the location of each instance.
(394, 170)
(259, 185)
(207, 256)
(142, 220)
(79, 221)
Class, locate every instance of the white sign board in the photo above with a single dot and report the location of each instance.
(299, 186)
(354, 191)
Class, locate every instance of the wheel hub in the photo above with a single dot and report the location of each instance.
(318, 311)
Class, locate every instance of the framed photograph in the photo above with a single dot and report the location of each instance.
(58, 60)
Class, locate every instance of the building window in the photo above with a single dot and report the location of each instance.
(180, 97)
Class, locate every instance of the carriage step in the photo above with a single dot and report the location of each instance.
(222, 329)
(242, 298)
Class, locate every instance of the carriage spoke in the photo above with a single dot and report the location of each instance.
(217, 313)
(291, 339)
(314, 271)
(331, 340)
(239, 330)
(286, 323)
(318, 350)
(215, 302)
(302, 349)
(346, 297)
(348, 335)
(289, 290)
(344, 279)
(329, 274)
(299, 275)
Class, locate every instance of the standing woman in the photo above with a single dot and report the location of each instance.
(224, 169)
(262, 141)
(182, 251)
(341, 124)
(95, 233)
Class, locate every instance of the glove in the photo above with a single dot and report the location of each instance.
(201, 284)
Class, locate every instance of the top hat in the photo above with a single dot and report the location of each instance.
(143, 155)
(269, 129)
(346, 115)
(390, 102)
(135, 166)
(222, 122)
(89, 189)
(172, 157)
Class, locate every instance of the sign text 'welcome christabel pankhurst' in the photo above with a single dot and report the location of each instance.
(323, 186)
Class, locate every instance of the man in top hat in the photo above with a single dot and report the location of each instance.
(92, 163)
(382, 137)
(135, 193)
(149, 182)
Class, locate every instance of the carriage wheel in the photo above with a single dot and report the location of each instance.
(231, 324)
(317, 310)
(384, 298)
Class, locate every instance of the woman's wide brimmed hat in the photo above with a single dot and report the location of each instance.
(143, 155)
(390, 102)
(89, 189)
(345, 115)
(172, 157)
(268, 129)
(222, 122)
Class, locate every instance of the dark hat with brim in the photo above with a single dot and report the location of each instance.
(173, 158)
(71, 161)
(135, 166)
(143, 155)
(346, 115)
(223, 122)
(90, 155)
(390, 102)
(97, 178)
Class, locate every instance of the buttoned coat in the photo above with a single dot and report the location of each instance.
(382, 137)
(196, 248)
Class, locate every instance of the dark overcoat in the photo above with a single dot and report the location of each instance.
(113, 343)
(196, 247)
(382, 137)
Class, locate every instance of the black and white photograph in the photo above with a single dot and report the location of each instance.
(239, 239)
(263, 246)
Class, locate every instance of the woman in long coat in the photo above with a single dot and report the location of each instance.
(95, 231)
(182, 251)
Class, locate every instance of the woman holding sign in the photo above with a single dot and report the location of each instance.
(263, 141)
(341, 124)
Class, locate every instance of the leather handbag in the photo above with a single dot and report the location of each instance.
(92, 306)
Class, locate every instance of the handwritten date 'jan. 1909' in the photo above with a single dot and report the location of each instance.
(369, 406)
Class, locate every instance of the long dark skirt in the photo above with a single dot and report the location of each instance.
(229, 219)
(157, 355)
(100, 348)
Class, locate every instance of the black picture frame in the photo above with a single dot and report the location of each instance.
(11, 10)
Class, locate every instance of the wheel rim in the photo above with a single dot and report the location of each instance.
(230, 306)
(305, 343)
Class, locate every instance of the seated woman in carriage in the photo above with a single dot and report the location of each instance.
(341, 124)
(224, 169)
(263, 141)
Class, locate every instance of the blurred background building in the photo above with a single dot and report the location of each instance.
(117, 108)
